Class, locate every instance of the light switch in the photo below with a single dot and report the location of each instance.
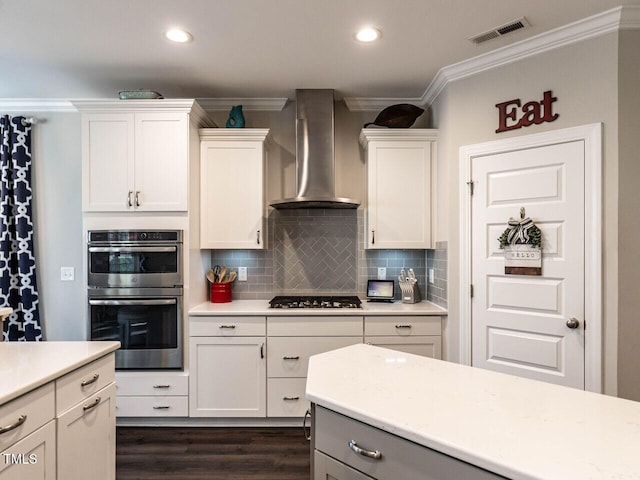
(242, 274)
(431, 276)
(67, 274)
(382, 273)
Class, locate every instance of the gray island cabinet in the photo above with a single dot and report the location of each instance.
(387, 415)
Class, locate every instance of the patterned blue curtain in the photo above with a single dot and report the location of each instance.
(17, 260)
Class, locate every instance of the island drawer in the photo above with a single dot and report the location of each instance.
(151, 383)
(399, 458)
(152, 406)
(286, 397)
(310, 326)
(84, 382)
(289, 356)
(26, 414)
(402, 326)
(228, 326)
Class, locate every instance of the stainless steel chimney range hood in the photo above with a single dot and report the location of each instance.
(315, 154)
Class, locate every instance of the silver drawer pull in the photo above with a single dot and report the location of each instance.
(291, 358)
(93, 379)
(291, 399)
(95, 403)
(161, 407)
(13, 426)
(227, 326)
(403, 326)
(365, 453)
(162, 386)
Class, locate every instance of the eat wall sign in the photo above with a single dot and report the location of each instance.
(512, 117)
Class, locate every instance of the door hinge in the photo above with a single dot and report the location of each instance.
(584, 324)
(471, 290)
(471, 184)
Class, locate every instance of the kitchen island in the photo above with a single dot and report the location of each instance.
(57, 410)
(487, 424)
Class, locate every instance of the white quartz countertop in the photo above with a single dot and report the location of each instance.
(25, 366)
(512, 426)
(261, 307)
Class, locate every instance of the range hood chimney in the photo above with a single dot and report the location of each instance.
(315, 160)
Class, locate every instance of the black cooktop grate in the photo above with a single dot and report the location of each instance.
(313, 301)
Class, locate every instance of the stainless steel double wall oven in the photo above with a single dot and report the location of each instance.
(135, 290)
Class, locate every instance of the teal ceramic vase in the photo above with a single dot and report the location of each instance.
(236, 117)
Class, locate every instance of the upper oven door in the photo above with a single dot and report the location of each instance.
(131, 266)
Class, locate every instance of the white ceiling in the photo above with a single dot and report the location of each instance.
(253, 48)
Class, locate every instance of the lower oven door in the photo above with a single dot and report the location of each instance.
(146, 322)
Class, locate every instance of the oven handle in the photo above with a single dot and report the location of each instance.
(131, 249)
(160, 301)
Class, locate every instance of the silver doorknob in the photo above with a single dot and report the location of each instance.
(573, 323)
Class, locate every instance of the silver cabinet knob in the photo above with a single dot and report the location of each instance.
(573, 323)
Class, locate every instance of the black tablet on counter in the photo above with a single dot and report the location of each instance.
(380, 290)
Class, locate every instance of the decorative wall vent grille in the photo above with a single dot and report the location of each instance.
(496, 32)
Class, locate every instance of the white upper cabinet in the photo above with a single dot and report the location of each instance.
(232, 189)
(136, 154)
(399, 185)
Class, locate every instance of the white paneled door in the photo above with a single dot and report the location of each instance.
(531, 326)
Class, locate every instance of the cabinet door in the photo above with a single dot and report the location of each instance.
(228, 377)
(232, 194)
(32, 458)
(107, 162)
(326, 468)
(161, 161)
(398, 194)
(86, 438)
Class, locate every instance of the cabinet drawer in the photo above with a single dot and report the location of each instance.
(286, 397)
(289, 357)
(309, 326)
(227, 326)
(156, 406)
(146, 384)
(74, 387)
(402, 326)
(400, 458)
(424, 345)
(28, 412)
(32, 458)
(326, 468)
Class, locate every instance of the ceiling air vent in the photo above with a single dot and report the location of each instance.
(496, 32)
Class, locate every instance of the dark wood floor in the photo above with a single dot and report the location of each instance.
(211, 453)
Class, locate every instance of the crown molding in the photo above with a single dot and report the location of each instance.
(596, 25)
(360, 104)
(248, 104)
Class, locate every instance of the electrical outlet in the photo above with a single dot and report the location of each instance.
(242, 274)
(382, 273)
(431, 276)
(67, 274)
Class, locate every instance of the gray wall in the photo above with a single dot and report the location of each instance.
(629, 206)
(583, 76)
(58, 219)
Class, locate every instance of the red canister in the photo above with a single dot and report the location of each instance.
(220, 292)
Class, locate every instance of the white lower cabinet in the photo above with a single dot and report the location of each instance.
(32, 458)
(228, 371)
(291, 341)
(86, 438)
(64, 429)
(152, 394)
(366, 452)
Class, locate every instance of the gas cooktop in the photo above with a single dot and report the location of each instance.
(312, 301)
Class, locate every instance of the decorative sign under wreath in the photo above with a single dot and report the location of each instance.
(521, 242)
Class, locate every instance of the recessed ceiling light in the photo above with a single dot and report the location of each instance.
(178, 36)
(368, 34)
